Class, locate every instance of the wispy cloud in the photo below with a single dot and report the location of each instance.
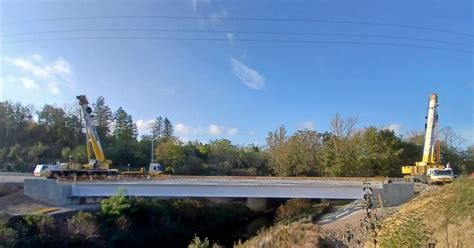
(36, 73)
(187, 132)
(143, 126)
(306, 125)
(29, 84)
(182, 129)
(232, 131)
(53, 88)
(215, 130)
(394, 127)
(247, 75)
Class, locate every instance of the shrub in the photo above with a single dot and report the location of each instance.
(82, 225)
(198, 243)
(115, 205)
(292, 208)
(8, 236)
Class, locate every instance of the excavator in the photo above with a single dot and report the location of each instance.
(430, 170)
(98, 166)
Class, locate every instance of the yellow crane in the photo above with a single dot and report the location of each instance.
(98, 165)
(430, 166)
(93, 142)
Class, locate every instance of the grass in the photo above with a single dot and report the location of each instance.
(444, 216)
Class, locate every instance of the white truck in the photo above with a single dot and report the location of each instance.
(437, 176)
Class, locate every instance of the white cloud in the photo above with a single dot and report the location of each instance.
(247, 75)
(232, 131)
(37, 57)
(182, 129)
(62, 67)
(306, 125)
(53, 88)
(35, 72)
(144, 126)
(394, 127)
(215, 129)
(29, 84)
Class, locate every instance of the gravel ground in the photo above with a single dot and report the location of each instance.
(349, 231)
(13, 201)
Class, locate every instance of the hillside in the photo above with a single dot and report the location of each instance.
(443, 216)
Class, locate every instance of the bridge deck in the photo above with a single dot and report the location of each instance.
(266, 187)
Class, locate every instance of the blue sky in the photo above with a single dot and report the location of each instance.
(242, 89)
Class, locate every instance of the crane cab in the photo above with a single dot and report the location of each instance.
(42, 170)
(155, 169)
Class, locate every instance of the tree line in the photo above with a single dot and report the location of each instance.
(49, 134)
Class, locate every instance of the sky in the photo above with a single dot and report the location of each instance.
(377, 60)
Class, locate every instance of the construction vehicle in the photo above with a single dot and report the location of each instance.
(429, 169)
(155, 169)
(98, 166)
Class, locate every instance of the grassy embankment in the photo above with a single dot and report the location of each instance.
(443, 216)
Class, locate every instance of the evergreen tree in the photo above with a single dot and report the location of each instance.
(124, 127)
(168, 132)
(157, 128)
(103, 116)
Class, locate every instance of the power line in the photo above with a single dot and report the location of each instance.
(236, 32)
(244, 40)
(236, 19)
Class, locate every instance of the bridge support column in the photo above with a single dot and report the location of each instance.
(257, 204)
(325, 201)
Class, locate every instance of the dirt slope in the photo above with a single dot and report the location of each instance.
(445, 214)
(13, 201)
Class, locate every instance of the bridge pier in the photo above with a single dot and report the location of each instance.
(257, 204)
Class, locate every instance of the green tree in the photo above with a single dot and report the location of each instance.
(124, 128)
(157, 128)
(103, 117)
(278, 151)
(169, 153)
(168, 132)
(223, 156)
(304, 156)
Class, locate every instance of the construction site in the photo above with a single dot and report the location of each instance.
(243, 124)
(342, 203)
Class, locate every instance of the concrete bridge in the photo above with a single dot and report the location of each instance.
(255, 189)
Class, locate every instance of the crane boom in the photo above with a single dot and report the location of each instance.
(429, 155)
(430, 160)
(93, 140)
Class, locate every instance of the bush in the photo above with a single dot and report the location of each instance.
(8, 235)
(115, 205)
(82, 225)
(292, 208)
(197, 243)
